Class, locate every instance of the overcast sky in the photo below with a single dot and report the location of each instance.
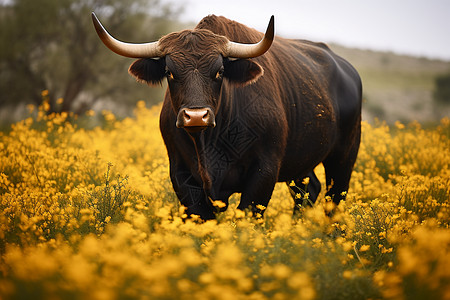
(417, 27)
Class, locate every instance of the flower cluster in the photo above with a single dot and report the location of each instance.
(90, 214)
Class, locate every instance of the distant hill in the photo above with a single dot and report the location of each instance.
(397, 87)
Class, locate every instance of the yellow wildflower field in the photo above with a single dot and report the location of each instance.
(91, 214)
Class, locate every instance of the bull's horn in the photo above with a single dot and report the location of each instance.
(238, 50)
(126, 49)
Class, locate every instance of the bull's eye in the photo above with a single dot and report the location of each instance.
(169, 74)
(219, 73)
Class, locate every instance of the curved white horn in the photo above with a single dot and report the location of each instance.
(238, 50)
(126, 49)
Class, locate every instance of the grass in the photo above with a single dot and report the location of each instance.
(91, 214)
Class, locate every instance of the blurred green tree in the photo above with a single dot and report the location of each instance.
(441, 92)
(52, 45)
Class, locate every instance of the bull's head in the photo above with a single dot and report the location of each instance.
(195, 63)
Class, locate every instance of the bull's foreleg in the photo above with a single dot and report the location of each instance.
(258, 190)
(190, 193)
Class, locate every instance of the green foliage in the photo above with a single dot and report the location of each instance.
(442, 89)
(52, 45)
(107, 201)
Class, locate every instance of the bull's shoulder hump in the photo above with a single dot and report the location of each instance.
(318, 54)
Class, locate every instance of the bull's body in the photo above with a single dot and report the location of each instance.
(305, 110)
(228, 128)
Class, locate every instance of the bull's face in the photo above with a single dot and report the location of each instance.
(195, 81)
(194, 88)
(195, 64)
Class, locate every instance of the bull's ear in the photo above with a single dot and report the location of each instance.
(242, 71)
(148, 70)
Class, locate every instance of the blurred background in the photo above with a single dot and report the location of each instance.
(49, 50)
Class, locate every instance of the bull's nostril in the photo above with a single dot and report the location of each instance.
(187, 116)
(205, 116)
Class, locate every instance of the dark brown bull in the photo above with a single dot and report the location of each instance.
(232, 124)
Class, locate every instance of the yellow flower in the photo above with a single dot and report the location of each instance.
(140, 104)
(261, 207)
(45, 106)
(30, 108)
(347, 274)
(218, 203)
(399, 125)
(364, 248)
(306, 181)
(281, 271)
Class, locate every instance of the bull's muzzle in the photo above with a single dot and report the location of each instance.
(195, 119)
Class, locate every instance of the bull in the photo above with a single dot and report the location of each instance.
(243, 111)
